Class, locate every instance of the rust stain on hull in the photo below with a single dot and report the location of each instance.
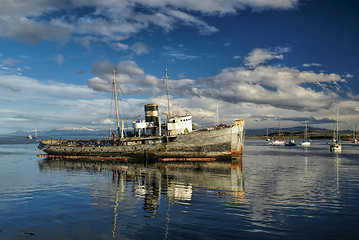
(237, 138)
(236, 153)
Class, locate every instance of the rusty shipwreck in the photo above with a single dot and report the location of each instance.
(171, 140)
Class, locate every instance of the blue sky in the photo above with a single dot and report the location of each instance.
(286, 61)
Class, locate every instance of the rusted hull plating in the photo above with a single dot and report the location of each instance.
(220, 144)
(237, 140)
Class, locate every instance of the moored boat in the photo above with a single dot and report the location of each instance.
(305, 142)
(278, 141)
(354, 139)
(291, 143)
(152, 140)
(335, 145)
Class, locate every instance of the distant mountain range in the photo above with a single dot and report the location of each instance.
(284, 131)
(85, 132)
(296, 132)
(82, 132)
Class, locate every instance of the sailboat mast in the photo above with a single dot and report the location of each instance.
(116, 101)
(168, 97)
(337, 126)
(353, 132)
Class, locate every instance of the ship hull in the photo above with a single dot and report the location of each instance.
(219, 144)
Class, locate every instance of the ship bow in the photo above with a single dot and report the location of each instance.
(237, 140)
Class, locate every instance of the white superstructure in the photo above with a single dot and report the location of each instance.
(152, 126)
(179, 125)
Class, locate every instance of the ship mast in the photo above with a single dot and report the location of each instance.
(116, 101)
(168, 97)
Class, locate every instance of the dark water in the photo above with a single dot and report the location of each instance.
(272, 192)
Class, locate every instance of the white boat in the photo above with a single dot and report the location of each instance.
(305, 142)
(279, 141)
(335, 146)
(268, 139)
(355, 139)
(32, 136)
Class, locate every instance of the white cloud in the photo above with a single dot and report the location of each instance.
(34, 20)
(139, 48)
(33, 103)
(222, 7)
(100, 84)
(280, 87)
(120, 46)
(259, 56)
(24, 29)
(129, 68)
(190, 20)
(177, 53)
(130, 78)
(24, 87)
(312, 65)
(108, 121)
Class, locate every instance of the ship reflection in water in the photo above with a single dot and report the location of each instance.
(169, 184)
(237, 179)
(177, 181)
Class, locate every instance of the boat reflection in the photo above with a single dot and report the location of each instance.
(237, 180)
(176, 181)
(124, 187)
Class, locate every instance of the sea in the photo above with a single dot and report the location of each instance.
(271, 192)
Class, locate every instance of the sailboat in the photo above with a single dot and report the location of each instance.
(291, 143)
(278, 141)
(268, 139)
(173, 140)
(335, 145)
(355, 139)
(305, 142)
(32, 136)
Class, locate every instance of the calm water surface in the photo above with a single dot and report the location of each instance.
(272, 192)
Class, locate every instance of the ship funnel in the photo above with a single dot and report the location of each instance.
(151, 111)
